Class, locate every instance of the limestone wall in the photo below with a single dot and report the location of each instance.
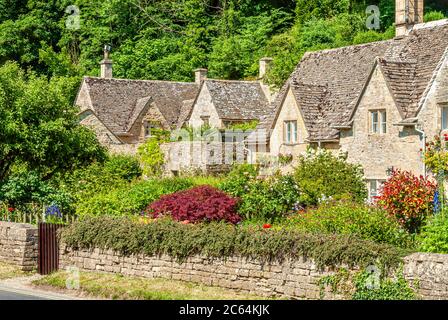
(18, 245)
(297, 279)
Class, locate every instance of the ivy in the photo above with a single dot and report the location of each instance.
(128, 236)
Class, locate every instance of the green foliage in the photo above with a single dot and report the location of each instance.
(364, 221)
(178, 36)
(26, 186)
(244, 126)
(434, 236)
(237, 181)
(365, 285)
(151, 156)
(321, 175)
(389, 289)
(433, 16)
(39, 127)
(261, 199)
(129, 199)
(123, 167)
(163, 236)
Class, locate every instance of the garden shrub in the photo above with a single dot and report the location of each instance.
(128, 236)
(115, 172)
(238, 179)
(434, 235)
(269, 199)
(365, 285)
(344, 217)
(151, 155)
(261, 199)
(24, 187)
(408, 198)
(202, 203)
(130, 199)
(125, 167)
(388, 289)
(321, 175)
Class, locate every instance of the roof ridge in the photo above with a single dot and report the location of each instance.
(139, 80)
(361, 45)
(234, 81)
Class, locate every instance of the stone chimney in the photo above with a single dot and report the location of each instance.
(200, 75)
(106, 64)
(407, 14)
(264, 67)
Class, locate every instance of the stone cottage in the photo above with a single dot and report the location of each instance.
(379, 101)
(124, 113)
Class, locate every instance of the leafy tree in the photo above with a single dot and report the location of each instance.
(39, 128)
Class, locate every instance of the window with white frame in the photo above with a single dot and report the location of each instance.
(290, 131)
(444, 117)
(378, 121)
(374, 187)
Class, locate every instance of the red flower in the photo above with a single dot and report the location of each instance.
(446, 138)
(266, 226)
(10, 209)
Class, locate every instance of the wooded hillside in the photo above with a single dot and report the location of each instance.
(167, 39)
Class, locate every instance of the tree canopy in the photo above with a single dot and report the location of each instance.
(167, 39)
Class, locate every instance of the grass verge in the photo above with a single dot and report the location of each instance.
(118, 287)
(10, 271)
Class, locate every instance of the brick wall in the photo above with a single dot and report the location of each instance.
(18, 245)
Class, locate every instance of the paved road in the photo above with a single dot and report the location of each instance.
(11, 295)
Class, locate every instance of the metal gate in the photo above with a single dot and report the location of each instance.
(48, 260)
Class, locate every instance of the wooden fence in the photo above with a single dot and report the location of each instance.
(33, 214)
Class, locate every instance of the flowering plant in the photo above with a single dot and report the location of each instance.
(408, 198)
(435, 156)
(202, 203)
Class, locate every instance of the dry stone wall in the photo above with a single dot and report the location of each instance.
(291, 278)
(18, 245)
(298, 279)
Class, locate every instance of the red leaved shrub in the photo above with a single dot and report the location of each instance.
(202, 203)
(408, 198)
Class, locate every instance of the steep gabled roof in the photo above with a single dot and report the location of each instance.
(118, 102)
(408, 64)
(238, 100)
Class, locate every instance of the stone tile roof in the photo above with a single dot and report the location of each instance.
(238, 100)
(408, 63)
(118, 102)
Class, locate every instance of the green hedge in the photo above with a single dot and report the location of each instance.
(163, 236)
(130, 199)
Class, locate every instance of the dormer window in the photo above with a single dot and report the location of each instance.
(378, 121)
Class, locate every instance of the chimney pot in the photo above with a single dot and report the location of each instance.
(200, 75)
(106, 63)
(407, 14)
(264, 64)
